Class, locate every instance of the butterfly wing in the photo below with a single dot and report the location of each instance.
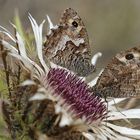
(121, 77)
(68, 44)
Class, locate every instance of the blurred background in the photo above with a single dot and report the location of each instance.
(112, 25)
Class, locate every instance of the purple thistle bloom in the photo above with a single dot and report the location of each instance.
(76, 95)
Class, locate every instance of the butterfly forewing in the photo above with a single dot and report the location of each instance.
(121, 77)
(68, 45)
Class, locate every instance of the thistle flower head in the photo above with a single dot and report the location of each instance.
(76, 95)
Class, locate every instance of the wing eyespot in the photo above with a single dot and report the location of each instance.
(75, 24)
(129, 56)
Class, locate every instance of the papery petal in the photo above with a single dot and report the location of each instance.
(51, 26)
(6, 32)
(126, 114)
(28, 82)
(116, 101)
(38, 39)
(9, 46)
(95, 58)
(124, 130)
(21, 46)
(93, 82)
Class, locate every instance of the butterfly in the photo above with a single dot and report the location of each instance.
(68, 44)
(121, 77)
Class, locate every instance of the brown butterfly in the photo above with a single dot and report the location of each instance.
(121, 77)
(68, 44)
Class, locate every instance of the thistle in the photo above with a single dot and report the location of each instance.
(48, 102)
